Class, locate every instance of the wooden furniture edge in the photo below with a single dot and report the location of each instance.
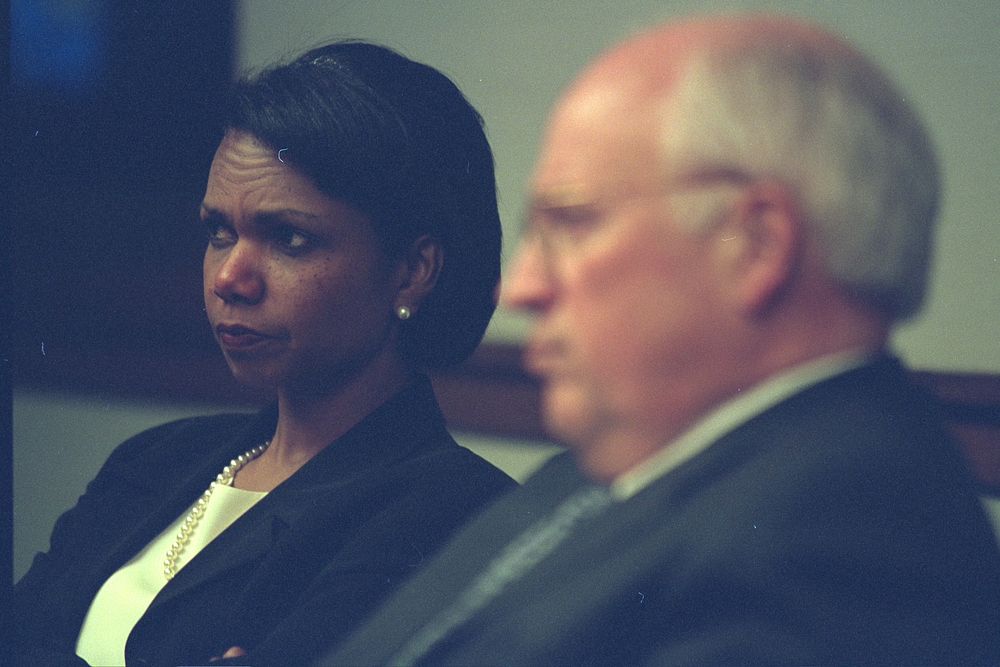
(490, 394)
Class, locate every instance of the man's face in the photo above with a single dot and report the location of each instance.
(627, 305)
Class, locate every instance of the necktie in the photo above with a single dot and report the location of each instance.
(517, 558)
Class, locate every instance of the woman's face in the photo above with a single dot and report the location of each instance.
(297, 290)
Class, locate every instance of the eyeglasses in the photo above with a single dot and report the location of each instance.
(562, 219)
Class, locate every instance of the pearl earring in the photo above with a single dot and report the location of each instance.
(403, 313)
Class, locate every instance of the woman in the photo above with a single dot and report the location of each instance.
(353, 242)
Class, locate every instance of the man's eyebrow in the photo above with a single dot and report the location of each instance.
(561, 198)
(715, 174)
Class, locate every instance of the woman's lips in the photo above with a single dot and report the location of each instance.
(240, 337)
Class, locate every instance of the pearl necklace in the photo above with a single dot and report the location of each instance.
(194, 516)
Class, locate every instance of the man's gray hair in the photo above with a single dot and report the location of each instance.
(829, 125)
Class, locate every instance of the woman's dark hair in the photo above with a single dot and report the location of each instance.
(397, 140)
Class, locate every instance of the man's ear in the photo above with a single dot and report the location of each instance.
(419, 271)
(761, 245)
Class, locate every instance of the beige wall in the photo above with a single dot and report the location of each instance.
(511, 57)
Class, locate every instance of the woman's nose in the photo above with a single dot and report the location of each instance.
(238, 277)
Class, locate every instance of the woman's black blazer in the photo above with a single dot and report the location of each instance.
(290, 576)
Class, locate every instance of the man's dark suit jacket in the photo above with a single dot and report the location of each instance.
(839, 527)
(291, 575)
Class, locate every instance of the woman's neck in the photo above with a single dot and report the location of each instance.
(308, 421)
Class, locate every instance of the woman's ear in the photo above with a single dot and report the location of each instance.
(761, 246)
(419, 271)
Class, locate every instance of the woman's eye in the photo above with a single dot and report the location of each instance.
(219, 235)
(292, 240)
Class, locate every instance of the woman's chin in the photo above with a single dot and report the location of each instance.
(254, 378)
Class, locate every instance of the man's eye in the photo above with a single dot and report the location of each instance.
(566, 224)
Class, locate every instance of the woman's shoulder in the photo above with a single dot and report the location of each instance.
(407, 442)
(419, 500)
(177, 440)
(450, 469)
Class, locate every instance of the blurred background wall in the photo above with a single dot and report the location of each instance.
(113, 136)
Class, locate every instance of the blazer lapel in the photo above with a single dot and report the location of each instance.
(375, 442)
(246, 541)
(169, 491)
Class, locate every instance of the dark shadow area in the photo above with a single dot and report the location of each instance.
(113, 129)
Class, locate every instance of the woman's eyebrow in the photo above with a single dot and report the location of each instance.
(277, 216)
(283, 214)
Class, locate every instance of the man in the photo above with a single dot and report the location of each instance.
(728, 216)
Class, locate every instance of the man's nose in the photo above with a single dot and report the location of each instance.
(529, 284)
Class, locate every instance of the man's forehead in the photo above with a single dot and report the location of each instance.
(587, 158)
(602, 97)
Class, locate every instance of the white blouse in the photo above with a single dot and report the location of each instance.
(127, 593)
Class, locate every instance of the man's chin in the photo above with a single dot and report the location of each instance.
(567, 416)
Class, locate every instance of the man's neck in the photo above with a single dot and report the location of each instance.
(733, 413)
